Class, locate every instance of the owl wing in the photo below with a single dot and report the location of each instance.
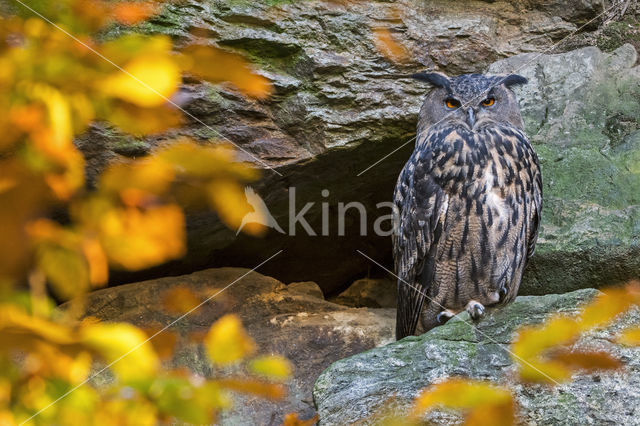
(421, 203)
(535, 214)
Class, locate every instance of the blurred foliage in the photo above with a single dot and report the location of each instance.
(55, 79)
(545, 353)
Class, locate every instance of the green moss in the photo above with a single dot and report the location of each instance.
(616, 34)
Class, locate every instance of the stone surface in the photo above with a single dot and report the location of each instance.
(340, 106)
(582, 112)
(352, 390)
(369, 293)
(292, 321)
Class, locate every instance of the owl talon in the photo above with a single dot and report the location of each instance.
(475, 310)
(503, 293)
(444, 316)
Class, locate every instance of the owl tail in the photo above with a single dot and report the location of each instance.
(410, 301)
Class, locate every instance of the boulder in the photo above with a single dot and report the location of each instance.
(369, 293)
(582, 112)
(357, 389)
(294, 321)
(340, 107)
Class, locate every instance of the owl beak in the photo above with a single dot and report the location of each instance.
(471, 117)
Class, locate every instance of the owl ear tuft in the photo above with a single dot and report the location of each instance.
(514, 80)
(434, 78)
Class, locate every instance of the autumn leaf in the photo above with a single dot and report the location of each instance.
(228, 199)
(147, 81)
(227, 342)
(255, 387)
(131, 13)
(292, 419)
(630, 337)
(125, 346)
(598, 360)
(97, 261)
(483, 402)
(137, 239)
(388, 46)
(217, 65)
(608, 305)
(163, 341)
(180, 300)
(271, 366)
(138, 120)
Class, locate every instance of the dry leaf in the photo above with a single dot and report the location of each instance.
(227, 342)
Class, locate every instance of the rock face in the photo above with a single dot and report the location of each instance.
(340, 107)
(582, 112)
(352, 390)
(293, 321)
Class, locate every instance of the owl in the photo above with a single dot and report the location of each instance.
(468, 201)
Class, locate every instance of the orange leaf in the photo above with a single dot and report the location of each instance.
(265, 390)
(587, 360)
(388, 46)
(606, 306)
(180, 300)
(163, 342)
(133, 13)
(97, 259)
(217, 65)
(292, 419)
(481, 400)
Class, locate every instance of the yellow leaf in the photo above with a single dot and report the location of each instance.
(630, 337)
(606, 306)
(229, 200)
(217, 65)
(272, 366)
(494, 403)
(143, 121)
(149, 176)
(227, 342)
(148, 80)
(66, 270)
(137, 239)
(533, 341)
(125, 346)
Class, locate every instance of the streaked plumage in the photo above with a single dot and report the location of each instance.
(469, 201)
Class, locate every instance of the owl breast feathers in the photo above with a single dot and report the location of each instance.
(469, 200)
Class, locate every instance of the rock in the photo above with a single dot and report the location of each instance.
(369, 293)
(582, 112)
(340, 107)
(293, 321)
(353, 389)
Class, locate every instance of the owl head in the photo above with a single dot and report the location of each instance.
(470, 100)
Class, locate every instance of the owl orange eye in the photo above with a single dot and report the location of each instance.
(452, 103)
(488, 102)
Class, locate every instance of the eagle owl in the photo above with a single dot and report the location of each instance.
(469, 202)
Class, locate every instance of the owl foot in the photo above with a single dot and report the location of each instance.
(503, 293)
(475, 310)
(444, 316)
